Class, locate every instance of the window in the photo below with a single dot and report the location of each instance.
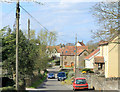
(65, 57)
(65, 63)
(81, 81)
(85, 54)
(72, 64)
(99, 66)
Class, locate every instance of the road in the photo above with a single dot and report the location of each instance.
(52, 85)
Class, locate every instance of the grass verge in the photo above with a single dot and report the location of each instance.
(38, 82)
(67, 81)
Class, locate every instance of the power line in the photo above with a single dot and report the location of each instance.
(34, 18)
(39, 22)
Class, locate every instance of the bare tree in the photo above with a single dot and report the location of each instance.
(107, 16)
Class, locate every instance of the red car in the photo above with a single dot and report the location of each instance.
(79, 83)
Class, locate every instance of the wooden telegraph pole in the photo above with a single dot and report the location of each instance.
(29, 29)
(75, 54)
(17, 36)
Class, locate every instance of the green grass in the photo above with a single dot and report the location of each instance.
(38, 82)
(67, 81)
(53, 61)
(8, 89)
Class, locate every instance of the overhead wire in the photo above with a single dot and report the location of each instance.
(39, 22)
(36, 19)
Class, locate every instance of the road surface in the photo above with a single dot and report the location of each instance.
(52, 85)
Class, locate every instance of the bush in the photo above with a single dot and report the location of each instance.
(8, 89)
(66, 74)
(41, 79)
(91, 71)
(87, 70)
(7, 82)
(49, 65)
(45, 71)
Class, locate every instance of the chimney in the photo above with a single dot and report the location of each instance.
(63, 45)
(60, 45)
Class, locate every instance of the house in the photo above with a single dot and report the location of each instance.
(69, 54)
(112, 65)
(110, 52)
(53, 51)
(107, 59)
(89, 60)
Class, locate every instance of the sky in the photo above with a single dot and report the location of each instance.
(66, 18)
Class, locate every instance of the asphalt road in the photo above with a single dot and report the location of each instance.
(52, 85)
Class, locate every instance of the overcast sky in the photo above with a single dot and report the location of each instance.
(66, 18)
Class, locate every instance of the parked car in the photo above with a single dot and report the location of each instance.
(84, 72)
(51, 76)
(79, 83)
(61, 76)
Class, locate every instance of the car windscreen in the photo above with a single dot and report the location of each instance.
(80, 81)
(61, 74)
(51, 74)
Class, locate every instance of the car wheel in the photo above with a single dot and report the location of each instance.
(58, 80)
(93, 88)
(74, 89)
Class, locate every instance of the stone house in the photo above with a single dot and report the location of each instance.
(67, 56)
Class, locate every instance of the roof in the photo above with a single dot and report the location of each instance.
(99, 59)
(71, 50)
(55, 47)
(93, 53)
(82, 44)
(106, 42)
(103, 43)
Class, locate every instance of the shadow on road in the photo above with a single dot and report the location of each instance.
(90, 90)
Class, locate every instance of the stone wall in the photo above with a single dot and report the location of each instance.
(101, 83)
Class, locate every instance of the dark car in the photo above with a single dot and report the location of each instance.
(51, 75)
(61, 76)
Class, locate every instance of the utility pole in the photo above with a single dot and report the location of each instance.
(17, 36)
(29, 29)
(75, 54)
(62, 59)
